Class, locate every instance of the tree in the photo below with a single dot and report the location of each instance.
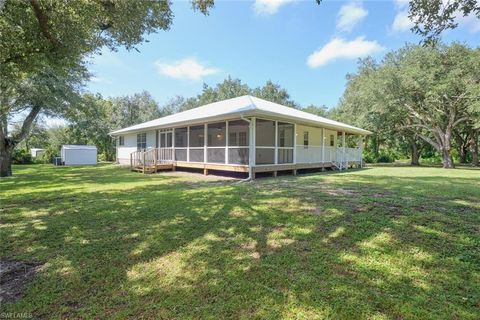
(437, 83)
(433, 17)
(232, 88)
(275, 93)
(90, 123)
(321, 111)
(58, 36)
(130, 110)
(418, 92)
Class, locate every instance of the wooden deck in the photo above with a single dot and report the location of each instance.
(274, 169)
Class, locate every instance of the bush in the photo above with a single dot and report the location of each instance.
(49, 154)
(21, 156)
(385, 158)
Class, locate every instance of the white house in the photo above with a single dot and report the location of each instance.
(243, 134)
(78, 155)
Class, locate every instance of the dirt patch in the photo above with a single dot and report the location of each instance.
(15, 277)
(338, 192)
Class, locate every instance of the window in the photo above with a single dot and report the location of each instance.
(285, 155)
(197, 136)
(181, 138)
(142, 141)
(216, 155)
(121, 140)
(305, 139)
(332, 140)
(196, 155)
(285, 135)
(238, 155)
(216, 134)
(265, 135)
(264, 156)
(238, 133)
(285, 142)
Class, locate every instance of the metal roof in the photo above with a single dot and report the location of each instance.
(79, 147)
(246, 106)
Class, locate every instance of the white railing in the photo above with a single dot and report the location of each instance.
(164, 155)
(330, 154)
(309, 154)
(151, 157)
(353, 154)
(313, 154)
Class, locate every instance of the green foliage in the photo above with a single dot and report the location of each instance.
(127, 111)
(44, 46)
(231, 88)
(431, 18)
(50, 153)
(382, 157)
(414, 93)
(21, 156)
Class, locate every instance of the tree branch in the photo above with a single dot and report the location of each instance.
(43, 22)
(430, 141)
(27, 125)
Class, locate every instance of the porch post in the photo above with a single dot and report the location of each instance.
(205, 140)
(345, 159)
(294, 143)
(173, 144)
(188, 144)
(251, 146)
(226, 142)
(323, 148)
(276, 143)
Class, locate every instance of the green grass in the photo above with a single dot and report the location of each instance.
(379, 243)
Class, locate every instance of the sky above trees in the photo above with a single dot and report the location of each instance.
(306, 48)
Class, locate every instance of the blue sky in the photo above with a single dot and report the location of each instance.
(306, 48)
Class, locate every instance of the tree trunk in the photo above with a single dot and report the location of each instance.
(462, 146)
(415, 154)
(7, 144)
(447, 159)
(474, 149)
(462, 154)
(6, 151)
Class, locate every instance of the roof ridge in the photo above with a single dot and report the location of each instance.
(251, 100)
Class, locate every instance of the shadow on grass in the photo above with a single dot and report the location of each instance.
(345, 245)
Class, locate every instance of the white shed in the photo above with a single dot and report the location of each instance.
(37, 152)
(78, 154)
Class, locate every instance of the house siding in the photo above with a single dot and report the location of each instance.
(312, 152)
(130, 145)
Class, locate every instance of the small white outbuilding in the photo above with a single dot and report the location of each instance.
(78, 154)
(36, 152)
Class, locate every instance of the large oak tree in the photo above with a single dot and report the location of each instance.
(44, 45)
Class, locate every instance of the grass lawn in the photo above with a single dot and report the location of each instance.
(379, 243)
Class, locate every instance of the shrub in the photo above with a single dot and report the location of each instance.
(21, 156)
(385, 158)
(49, 154)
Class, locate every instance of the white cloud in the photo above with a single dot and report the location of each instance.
(402, 4)
(96, 79)
(402, 22)
(470, 22)
(340, 49)
(349, 15)
(269, 7)
(185, 69)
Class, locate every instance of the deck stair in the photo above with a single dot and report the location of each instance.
(151, 160)
(340, 162)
